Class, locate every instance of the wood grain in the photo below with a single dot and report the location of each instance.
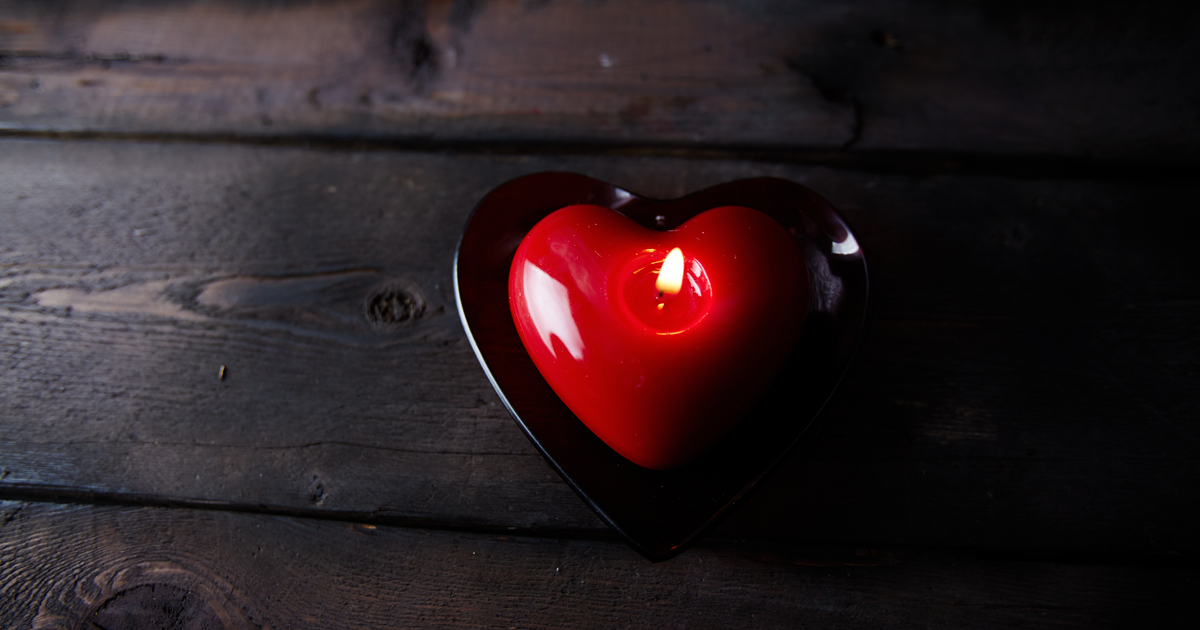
(179, 568)
(1028, 382)
(1096, 80)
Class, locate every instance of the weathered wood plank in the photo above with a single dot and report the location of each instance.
(1107, 80)
(146, 567)
(1028, 381)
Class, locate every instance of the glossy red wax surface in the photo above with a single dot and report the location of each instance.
(659, 379)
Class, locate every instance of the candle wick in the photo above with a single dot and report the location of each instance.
(660, 294)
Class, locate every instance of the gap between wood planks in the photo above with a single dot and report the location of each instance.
(809, 553)
(915, 163)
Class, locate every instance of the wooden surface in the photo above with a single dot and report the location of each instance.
(1101, 80)
(191, 190)
(253, 570)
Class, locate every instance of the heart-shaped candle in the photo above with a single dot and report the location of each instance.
(660, 512)
(659, 341)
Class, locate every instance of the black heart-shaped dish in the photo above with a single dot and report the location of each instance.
(661, 512)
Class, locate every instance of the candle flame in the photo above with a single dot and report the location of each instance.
(670, 278)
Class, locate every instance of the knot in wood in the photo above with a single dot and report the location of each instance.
(156, 606)
(150, 593)
(393, 306)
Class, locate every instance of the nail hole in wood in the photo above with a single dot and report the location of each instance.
(1017, 235)
(317, 493)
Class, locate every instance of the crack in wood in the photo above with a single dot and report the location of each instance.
(72, 55)
(322, 303)
(284, 447)
(905, 162)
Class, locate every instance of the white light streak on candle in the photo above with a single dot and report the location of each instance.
(550, 309)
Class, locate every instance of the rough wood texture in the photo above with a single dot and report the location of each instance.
(143, 567)
(1099, 80)
(1028, 381)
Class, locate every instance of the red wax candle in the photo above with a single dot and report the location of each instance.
(659, 341)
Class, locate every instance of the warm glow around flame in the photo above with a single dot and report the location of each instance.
(670, 278)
